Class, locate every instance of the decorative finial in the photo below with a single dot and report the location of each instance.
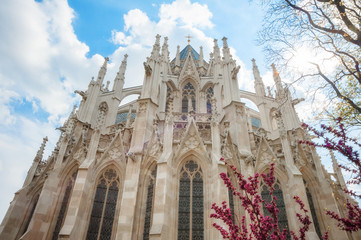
(157, 39)
(225, 44)
(189, 39)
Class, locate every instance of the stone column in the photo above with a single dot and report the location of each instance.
(128, 203)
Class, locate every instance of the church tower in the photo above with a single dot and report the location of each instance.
(149, 169)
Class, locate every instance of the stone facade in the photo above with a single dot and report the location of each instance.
(150, 169)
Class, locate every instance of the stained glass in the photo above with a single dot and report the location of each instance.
(209, 98)
(105, 200)
(190, 209)
(282, 215)
(313, 213)
(188, 93)
(231, 202)
(197, 207)
(184, 207)
(149, 204)
(185, 104)
(64, 205)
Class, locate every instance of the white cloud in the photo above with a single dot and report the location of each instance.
(190, 14)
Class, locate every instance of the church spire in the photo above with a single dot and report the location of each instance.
(39, 154)
(337, 170)
(258, 83)
(102, 71)
(277, 79)
(165, 52)
(216, 53)
(200, 57)
(226, 53)
(156, 47)
(177, 57)
(119, 79)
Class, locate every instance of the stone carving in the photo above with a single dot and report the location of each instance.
(102, 111)
(114, 154)
(148, 69)
(142, 107)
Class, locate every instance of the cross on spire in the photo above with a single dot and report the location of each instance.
(189, 38)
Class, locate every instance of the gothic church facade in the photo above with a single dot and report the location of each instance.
(150, 169)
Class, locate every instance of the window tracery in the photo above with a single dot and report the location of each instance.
(188, 98)
(64, 206)
(190, 209)
(104, 204)
(209, 96)
(149, 204)
(282, 215)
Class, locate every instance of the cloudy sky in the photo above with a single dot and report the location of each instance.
(50, 48)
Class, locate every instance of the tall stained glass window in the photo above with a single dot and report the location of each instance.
(149, 204)
(231, 201)
(190, 209)
(209, 99)
(64, 205)
(188, 97)
(282, 215)
(313, 213)
(105, 201)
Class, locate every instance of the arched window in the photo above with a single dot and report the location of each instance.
(313, 213)
(188, 98)
(64, 205)
(282, 215)
(149, 204)
(105, 201)
(190, 208)
(209, 96)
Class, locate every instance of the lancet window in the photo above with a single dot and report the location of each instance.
(231, 201)
(64, 205)
(209, 97)
(313, 213)
(149, 204)
(104, 204)
(190, 209)
(282, 215)
(188, 98)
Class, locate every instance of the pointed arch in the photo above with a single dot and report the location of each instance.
(190, 201)
(188, 97)
(104, 204)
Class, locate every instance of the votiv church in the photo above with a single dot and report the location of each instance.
(150, 169)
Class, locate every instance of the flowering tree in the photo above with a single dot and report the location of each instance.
(336, 139)
(261, 226)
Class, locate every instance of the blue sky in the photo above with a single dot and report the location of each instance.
(49, 48)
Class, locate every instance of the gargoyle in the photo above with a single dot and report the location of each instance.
(148, 69)
(82, 94)
(235, 72)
